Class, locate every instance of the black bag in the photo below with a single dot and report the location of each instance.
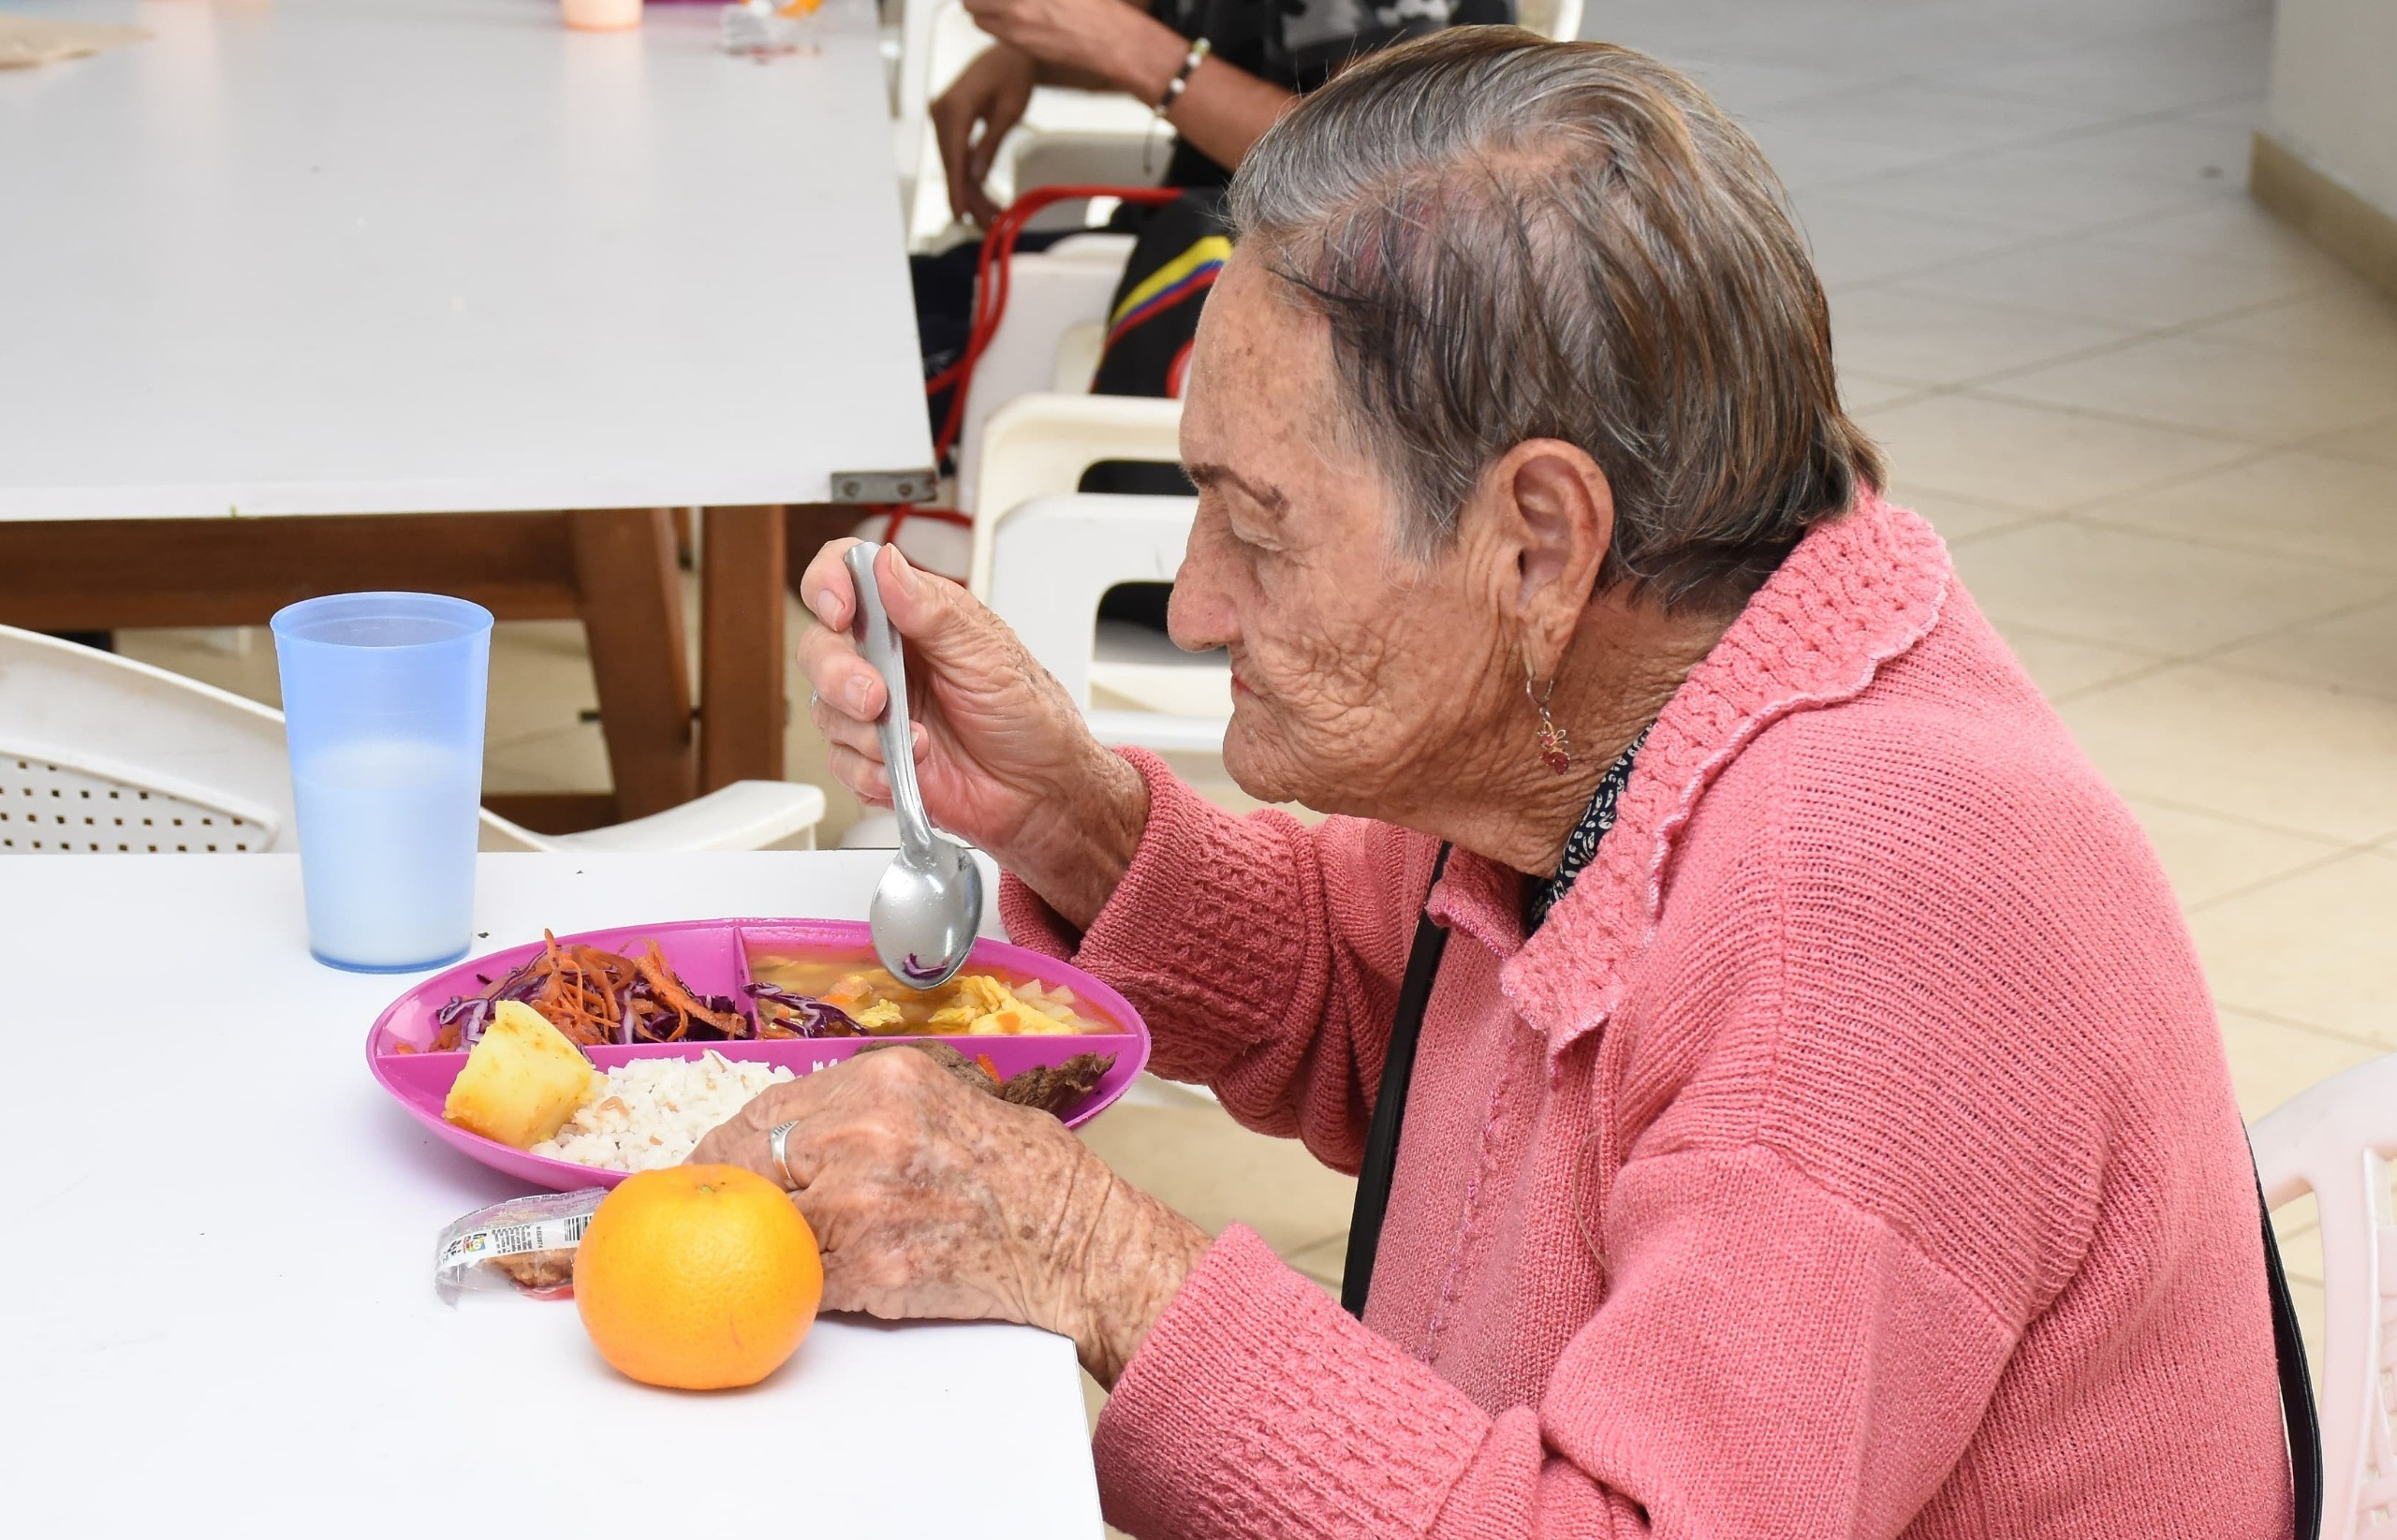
(1152, 322)
(2303, 1429)
(1153, 317)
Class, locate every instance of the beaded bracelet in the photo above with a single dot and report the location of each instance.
(1190, 63)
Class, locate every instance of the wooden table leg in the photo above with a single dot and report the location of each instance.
(631, 599)
(810, 525)
(742, 574)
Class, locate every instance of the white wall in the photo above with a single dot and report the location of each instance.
(2333, 98)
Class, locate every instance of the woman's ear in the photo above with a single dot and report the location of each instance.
(1558, 512)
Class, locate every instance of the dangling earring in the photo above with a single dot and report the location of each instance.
(1555, 749)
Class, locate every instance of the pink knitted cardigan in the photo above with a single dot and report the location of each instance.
(1852, 1152)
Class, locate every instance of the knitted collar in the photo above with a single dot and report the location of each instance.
(1855, 593)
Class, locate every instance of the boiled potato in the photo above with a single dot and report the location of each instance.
(522, 1082)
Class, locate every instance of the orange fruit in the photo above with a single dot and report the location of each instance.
(698, 1277)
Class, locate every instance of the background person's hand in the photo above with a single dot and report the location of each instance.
(990, 96)
(1100, 38)
(1002, 755)
(931, 1198)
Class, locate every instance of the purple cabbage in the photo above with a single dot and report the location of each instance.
(807, 1016)
(470, 1015)
(637, 1004)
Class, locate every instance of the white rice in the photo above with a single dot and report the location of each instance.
(654, 1113)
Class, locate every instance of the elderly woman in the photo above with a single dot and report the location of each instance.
(1818, 1126)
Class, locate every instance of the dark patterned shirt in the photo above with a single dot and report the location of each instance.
(1298, 44)
(1582, 845)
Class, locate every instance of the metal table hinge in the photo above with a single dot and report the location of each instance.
(884, 486)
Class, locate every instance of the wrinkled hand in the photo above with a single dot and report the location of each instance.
(931, 1198)
(990, 94)
(1003, 755)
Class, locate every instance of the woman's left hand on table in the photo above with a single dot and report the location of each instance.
(931, 1198)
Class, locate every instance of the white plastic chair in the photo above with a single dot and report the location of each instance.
(1024, 445)
(1048, 341)
(1041, 444)
(2338, 1141)
(1559, 21)
(1080, 138)
(101, 754)
(1038, 370)
(1057, 557)
(936, 40)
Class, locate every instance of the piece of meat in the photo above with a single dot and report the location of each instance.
(1056, 1088)
(1046, 1089)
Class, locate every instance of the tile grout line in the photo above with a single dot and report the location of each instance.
(2031, 242)
(2213, 654)
(2088, 514)
(2083, 510)
(2344, 847)
(1979, 388)
(2250, 890)
(2291, 1022)
(2057, 138)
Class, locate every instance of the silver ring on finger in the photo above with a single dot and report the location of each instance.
(777, 1143)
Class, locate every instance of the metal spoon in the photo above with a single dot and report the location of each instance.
(929, 902)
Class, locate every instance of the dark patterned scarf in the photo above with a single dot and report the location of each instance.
(1582, 845)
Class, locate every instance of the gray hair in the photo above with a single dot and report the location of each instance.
(1513, 239)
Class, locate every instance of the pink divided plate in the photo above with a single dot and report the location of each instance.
(713, 957)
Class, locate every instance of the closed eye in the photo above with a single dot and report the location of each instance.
(1253, 510)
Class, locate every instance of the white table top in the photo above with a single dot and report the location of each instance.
(219, 1268)
(435, 256)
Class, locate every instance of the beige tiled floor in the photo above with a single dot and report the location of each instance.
(2158, 430)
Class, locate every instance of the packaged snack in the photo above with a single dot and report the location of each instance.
(525, 1245)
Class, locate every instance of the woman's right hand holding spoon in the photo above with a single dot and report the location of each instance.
(1004, 757)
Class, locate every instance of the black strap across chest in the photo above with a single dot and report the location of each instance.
(2298, 1417)
(1389, 1104)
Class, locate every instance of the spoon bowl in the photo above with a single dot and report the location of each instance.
(922, 929)
(928, 903)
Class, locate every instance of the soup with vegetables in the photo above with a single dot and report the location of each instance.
(788, 990)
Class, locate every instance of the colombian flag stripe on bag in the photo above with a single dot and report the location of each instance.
(1192, 270)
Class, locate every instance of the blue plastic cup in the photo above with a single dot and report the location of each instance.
(383, 709)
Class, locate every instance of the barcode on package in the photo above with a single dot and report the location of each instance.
(536, 1235)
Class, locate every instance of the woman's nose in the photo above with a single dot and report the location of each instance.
(1200, 617)
(1197, 623)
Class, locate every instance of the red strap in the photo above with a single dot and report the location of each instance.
(991, 276)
